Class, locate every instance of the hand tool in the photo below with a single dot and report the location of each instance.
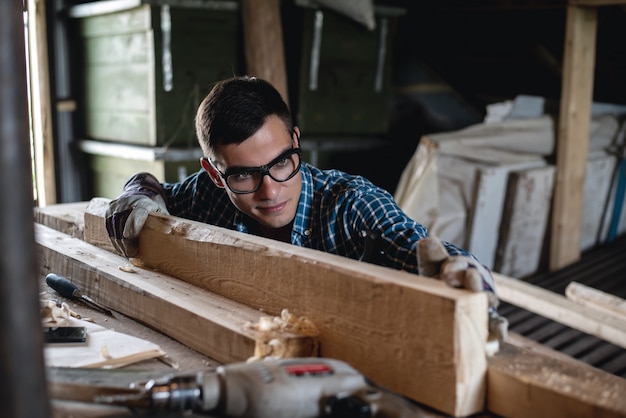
(67, 289)
(271, 388)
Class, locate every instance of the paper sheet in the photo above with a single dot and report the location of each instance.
(104, 348)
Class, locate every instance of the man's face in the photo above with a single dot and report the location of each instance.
(274, 204)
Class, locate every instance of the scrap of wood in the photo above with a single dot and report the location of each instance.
(526, 384)
(558, 308)
(604, 303)
(205, 322)
(411, 334)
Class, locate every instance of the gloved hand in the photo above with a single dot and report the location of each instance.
(126, 215)
(462, 272)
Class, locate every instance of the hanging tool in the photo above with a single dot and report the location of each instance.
(67, 289)
(272, 388)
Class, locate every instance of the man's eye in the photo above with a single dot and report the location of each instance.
(244, 175)
(282, 162)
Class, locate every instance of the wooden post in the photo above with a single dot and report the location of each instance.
(40, 103)
(263, 42)
(573, 135)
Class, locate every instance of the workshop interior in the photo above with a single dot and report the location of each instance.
(500, 126)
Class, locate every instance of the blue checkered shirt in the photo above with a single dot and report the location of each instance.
(335, 212)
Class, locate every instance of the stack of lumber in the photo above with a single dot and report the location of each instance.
(201, 284)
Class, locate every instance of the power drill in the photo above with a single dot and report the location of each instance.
(272, 388)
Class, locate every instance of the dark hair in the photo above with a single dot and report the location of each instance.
(235, 109)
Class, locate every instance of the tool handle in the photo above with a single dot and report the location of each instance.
(63, 286)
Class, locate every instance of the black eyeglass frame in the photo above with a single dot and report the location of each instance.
(264, 170)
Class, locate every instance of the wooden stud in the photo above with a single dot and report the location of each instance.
(573, 135)
(263, 43)
(40, 98)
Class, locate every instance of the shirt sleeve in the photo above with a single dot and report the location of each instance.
(199, 199)
(373, 211)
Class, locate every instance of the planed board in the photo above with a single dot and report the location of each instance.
(411, 334)
(207, 323)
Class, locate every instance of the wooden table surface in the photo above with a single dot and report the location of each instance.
(184, 358)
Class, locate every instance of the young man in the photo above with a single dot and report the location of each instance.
(253, 180)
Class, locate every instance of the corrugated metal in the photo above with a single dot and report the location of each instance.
(603, 268)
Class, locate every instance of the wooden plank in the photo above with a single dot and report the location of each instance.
(263, 43)
(558, 308)
(213, 325)
(366, 314)
(604, 303)
(524, 221)
(573, 135)
(526, 384)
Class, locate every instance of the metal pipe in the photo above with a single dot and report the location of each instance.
(23, 391)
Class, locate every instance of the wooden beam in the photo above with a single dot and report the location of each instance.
(213, 325)
(411, 334)
(558, 308)
(263, 43)
(573, 135)
(525, 384)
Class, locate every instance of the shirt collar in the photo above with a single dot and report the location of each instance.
(302, 221)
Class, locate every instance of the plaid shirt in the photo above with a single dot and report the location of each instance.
(335, 213)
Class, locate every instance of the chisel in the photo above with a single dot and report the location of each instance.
(68, 290)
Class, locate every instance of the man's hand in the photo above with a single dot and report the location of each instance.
(126, 215)
(462, 272)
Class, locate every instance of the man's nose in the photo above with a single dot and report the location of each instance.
(269, 188)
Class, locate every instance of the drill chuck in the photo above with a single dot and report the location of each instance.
(199, 392)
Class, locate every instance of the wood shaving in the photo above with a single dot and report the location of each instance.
(127, 268)
(273, 341)
(52, 312)
(104, 350)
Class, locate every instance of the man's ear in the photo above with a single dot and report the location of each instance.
(296, 137)
(215, 176)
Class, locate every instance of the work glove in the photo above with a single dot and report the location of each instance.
(126, 215)
(462, 272)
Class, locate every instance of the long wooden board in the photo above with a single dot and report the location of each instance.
(412, 334)
(558, 308)
(203, 321)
